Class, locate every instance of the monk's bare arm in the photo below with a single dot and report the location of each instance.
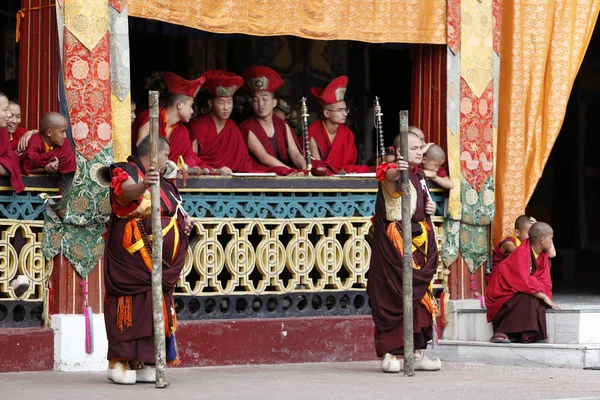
(133, 191)
(552, 252)
(293, 150)
(143, 132)
(446, 182)
(258, 151)
(3, 171)
(546, 300)
(508, 247)
(314, 150)
(195, 146)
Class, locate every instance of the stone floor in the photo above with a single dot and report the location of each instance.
(317, 381)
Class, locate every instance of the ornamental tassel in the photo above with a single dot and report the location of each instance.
(87, 314)
(476, 293)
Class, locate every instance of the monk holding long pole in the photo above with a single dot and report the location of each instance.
(399, 289)
(146, 244)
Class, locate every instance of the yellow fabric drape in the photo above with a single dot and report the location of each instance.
(376, 21)
(543, 43)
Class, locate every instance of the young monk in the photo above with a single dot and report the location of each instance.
(331, 142)
(19, 136)
(178, 111)
(433, 159)
(510, 243)
(385, 274)
(9, 160)
(519, 289)
(215, 138)
(48, 151)
(269, 139)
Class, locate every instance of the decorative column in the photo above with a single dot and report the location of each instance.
(473, 70)
(95, 98)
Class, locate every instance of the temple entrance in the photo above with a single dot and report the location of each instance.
(565, 195)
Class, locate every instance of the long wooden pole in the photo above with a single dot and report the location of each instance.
(407, 270)
(157, 242)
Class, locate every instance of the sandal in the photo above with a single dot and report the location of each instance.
(500, 337)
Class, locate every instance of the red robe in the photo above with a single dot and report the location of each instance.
(224, 149)
(251, 124)
(179, 141)
(497, 254)
(37, 155)
(513, 276)
(10, 161)
(339, 155)
(15, 137)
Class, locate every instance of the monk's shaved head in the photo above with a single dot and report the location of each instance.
(539, 230)
(143, 148)
(52, 120)
(436, 153)
(398, 139)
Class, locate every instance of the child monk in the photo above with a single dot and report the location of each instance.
(510, 243)
(48, 151)
(433, 159)
(9, 160)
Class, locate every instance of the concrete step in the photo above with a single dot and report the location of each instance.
(535, 354)
(571, 325)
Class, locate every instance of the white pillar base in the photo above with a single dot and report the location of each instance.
(69, 343)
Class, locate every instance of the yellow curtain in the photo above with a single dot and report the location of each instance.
(543, 43)
(376, 21)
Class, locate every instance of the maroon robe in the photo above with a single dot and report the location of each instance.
(281, 139)
(384, 286)
(223, 149)
(511, 305)
(339, 155)
(15, 137)
(179, 141)
(10, 161)
(37, 155)
(128, 279)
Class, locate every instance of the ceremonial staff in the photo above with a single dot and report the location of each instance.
(407, 270)
(157, 243)
(306, 143)
(379, 127)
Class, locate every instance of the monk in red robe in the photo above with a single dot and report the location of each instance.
(172, 118)
(215, 138)
(9, 160)
(519, 289)
(48, 151)
(510, 243)
(331, 142)
(128, 264)
(268, 137)
(386, 270)
(19, 136)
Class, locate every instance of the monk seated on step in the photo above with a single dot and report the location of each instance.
(48, 151)
(269, 138)
(331, 142)
(216, 139)
(19, 136)
(433, 159)
(510, 243)
(519, 289)
(172, 120)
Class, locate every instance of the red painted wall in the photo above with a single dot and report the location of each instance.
(26, 349)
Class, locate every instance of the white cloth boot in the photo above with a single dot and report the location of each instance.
(423, 363)
(120, 372)
(389, 363)
(146, 375)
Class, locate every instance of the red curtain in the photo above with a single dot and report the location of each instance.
(428, 108)
(38, 61)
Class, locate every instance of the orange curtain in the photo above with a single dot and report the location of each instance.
(543, 43)
(375, 21)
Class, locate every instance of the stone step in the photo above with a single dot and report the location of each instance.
(575, 356)
(570, 325)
